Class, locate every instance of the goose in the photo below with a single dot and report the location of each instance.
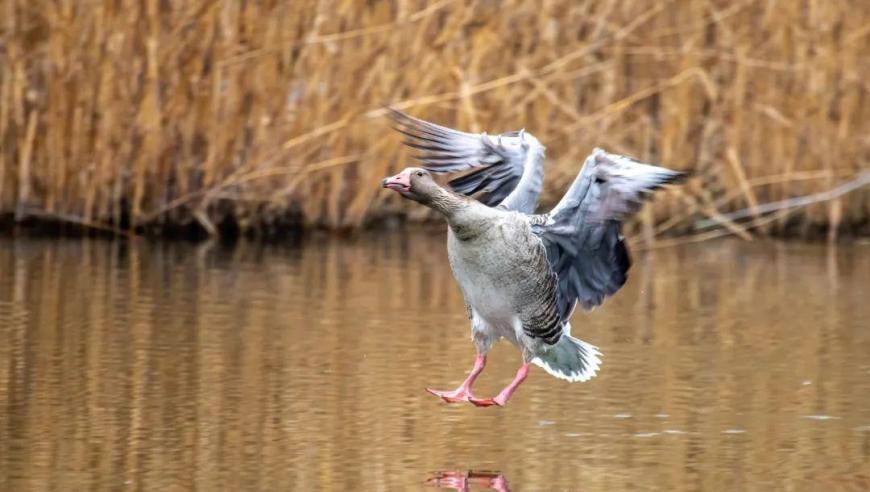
(522, 274)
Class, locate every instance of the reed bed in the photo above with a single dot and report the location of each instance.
(227, 115)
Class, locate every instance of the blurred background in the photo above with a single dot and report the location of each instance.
(243, 115)
(130, 360)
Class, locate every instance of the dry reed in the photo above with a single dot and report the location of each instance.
(129, 115)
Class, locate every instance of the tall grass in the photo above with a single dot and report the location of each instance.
(139, 114)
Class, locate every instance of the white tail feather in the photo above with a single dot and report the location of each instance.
(570, 359)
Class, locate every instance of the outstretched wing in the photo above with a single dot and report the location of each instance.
(582, 234)
(508, 168)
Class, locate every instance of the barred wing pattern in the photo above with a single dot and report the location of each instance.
(507, 168)
(582, 234)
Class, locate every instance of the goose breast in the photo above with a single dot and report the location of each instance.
(496, 269)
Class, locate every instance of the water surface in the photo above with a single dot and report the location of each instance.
(173, 366)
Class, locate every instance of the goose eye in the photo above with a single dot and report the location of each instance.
(419, 173)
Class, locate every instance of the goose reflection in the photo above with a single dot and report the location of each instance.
(462, 480)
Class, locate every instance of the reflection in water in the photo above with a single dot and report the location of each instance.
(461, 481)
(727, 366)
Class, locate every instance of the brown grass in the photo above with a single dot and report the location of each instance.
(152, 113)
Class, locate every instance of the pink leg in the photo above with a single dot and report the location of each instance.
(463, 392)
(502, 398)
(461, 481)
(450, 480)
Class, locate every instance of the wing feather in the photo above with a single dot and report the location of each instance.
(506, 170)
(582, 233)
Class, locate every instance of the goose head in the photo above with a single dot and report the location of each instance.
(415, 184)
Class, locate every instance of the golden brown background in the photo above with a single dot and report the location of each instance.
(269, 113)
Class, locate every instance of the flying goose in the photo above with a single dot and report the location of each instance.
(522, 274)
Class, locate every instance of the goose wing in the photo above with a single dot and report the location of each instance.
(582, 234)
(507, 168)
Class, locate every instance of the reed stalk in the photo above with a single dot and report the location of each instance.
(143, 115)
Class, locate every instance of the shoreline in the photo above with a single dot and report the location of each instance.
(49, 226)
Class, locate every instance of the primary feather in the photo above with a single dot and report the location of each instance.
(582, 233)
(507, 169)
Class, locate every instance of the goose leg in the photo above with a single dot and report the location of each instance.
(463, 392)
(461, 481)
(502, 398)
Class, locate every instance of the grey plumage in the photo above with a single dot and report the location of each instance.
(582, 232)
(507, 168)
(521, 274)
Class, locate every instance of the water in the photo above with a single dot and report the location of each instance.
(155, 366)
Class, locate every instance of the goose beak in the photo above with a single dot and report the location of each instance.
(400, 182)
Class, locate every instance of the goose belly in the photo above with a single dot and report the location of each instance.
(489, 280)
(496, 305)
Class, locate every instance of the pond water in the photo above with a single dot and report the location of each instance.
(171, 366)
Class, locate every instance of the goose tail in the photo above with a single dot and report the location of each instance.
(570, 359)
